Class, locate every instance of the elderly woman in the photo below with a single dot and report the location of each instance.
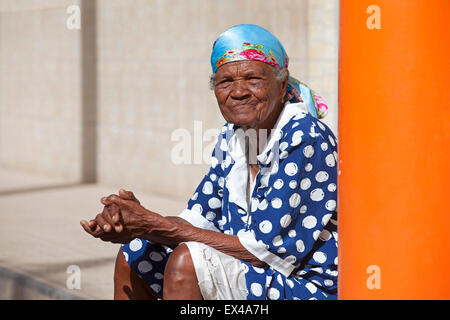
(262, 222)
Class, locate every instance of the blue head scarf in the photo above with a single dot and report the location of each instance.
(254, 43)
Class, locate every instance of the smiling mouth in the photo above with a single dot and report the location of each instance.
(241, 106)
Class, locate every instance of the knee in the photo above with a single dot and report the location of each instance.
(121, 267)
(180, 266)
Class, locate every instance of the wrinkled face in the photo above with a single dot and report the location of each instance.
(248, 94)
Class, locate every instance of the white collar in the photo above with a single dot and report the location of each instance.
(237, 178)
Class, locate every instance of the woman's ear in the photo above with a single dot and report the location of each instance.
(284, 85)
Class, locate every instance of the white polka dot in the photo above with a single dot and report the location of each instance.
(214, 162)
(318, 270)
(311, 287)
(321, 126)
(283, 146)
(305, 184)
(285, 220)
(331, 187)
(308, 167)
(222, 221)
(194, 196)
(290, 283)
(309, 222)
(155, 256)
(258, 269)
(300, 246)
(207, 187)
(303, 209)
(280, 280)
(221, 181)
(284, 155)
(273, 294)
(336, 260)
(308, 151)
(317, 194)
(329, 160)
(135, 245)
(332, 141)
(277, 241)
(321, 176)
(293, 184)
(290, 259)
(278, 184)
(316, 234)
(144, 266)
(125, 254)
(156, 287)
(256, 289)
(227, 162)
(263, 205)
(328, 282)
(223, 145)
(197, 207)
(319, 257)
(246, 219)
(295, 125)
(265, 226)
(294, 200)
(292, 233)
(276, 203)
(291, 169)
(330, 205)
(324, 146)
(297, 138)
(210, 215)
(214, 203)
(281, 250)
(159, 275)
(326, 218)
(213, 177)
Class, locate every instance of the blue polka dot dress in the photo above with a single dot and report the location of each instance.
(290, 219)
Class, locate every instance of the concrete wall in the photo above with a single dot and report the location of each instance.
(149, 77)
(40, 88)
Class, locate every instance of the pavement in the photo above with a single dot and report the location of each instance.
(44, 252)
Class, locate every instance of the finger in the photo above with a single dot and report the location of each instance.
(128, 195)
(112, 199)
(92, 224)
(118, 228)
(114, 213)
(107, 215)
(102, 223)
(86, 227)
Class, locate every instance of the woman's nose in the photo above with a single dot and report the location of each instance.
(239, 90)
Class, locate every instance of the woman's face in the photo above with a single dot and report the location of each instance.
(248, 94)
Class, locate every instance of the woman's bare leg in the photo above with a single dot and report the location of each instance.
(180, 280)
(127, 284)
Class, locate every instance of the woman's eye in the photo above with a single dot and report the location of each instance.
(224, 83)
(255, 80)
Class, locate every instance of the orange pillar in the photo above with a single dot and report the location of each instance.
(394, 150)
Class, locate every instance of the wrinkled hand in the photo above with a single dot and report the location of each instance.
(108, 225)
(143, 223)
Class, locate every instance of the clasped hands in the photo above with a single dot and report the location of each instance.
(123, 219)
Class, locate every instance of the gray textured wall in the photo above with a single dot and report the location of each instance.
(101, 103)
